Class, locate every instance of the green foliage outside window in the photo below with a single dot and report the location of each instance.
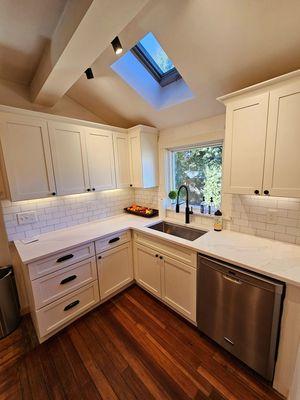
(199, 168)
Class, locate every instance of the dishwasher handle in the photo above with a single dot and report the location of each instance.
(233, 280)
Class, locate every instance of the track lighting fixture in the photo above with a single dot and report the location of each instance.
(116, 44)
(89, 73)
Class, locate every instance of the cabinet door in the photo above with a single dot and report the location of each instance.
(121, 149)
(148, 269)
(179, 287)
(115, 269)
(246, 125)
(69, 158)
(135, 160)
(282, 165)
(27, 157)
(100, 159)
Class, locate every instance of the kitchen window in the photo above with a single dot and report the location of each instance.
(200, 168)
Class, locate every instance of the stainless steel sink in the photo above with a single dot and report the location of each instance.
(183, 232)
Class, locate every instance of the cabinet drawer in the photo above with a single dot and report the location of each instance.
(60, 312)
(173, 250)
(60, 260)
(112, 241)
(60, 283)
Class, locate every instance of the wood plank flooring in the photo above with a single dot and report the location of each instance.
(131, 347)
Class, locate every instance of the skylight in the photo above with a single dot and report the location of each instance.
(150, 72)
(155, 60)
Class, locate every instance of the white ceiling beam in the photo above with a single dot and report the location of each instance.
(85, 29)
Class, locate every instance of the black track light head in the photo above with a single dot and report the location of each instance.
(116, 44)
(89, 73)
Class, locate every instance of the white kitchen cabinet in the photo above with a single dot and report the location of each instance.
(27, 158)
(100, 155)
(167, 278)
(122, 160)
(282, 164)
(246, 127)
(148, 267)
(115, 269)
(143, 148)
(262, 138)
(179, 287)
(69, 158)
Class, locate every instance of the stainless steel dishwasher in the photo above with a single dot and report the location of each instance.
(241, 311)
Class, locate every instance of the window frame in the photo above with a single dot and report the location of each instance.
(171, 160)
(163, 78)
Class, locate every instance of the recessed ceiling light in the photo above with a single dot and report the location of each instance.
(116, 44)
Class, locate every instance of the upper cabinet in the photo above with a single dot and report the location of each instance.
(69, 158)
(246, 127)
(282, 163)
(27, 160)
(122, 159)
(100, 154)
(262, 139)
(143, 150)
(46, 157)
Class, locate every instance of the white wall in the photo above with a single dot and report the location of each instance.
(16, 95)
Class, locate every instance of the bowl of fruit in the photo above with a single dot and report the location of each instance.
(141, 211)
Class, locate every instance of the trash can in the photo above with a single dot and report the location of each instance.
(9, 302)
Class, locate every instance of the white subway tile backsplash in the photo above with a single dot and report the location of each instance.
(61, 212)
(251, 215)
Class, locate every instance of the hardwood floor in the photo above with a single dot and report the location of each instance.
(131, 347)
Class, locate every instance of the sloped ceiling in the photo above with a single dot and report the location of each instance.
(217, 46)
(25, 28)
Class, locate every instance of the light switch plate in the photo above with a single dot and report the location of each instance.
(27, 217)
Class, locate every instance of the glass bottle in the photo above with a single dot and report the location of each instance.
(211, 206)
(203, 206)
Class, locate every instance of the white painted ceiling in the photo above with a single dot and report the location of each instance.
(25, 28)
(218, 46)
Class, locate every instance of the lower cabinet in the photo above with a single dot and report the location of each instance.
(179, 287)
(169, 279)
(148, 269)
(115, 269)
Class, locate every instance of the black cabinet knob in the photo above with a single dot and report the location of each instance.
(88, 190)
(131, 185)
(53, 194)
(93, 189)
(256, 191)
(156, 255)
(99, 257)
(161, 257)
(266, 192)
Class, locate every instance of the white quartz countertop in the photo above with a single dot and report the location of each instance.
(272, 258)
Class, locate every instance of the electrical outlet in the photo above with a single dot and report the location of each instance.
(272, 216)
(27, 217)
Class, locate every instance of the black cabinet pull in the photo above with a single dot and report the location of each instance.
(99, 258)
(131, 185)
(114, 240)
(68, 279)
(256, 191)
(93, 189)
(65, 258)
(156, 255)
(161, 257)
(53, 194)
(71, 305)
(88, 190)
(266, 192)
